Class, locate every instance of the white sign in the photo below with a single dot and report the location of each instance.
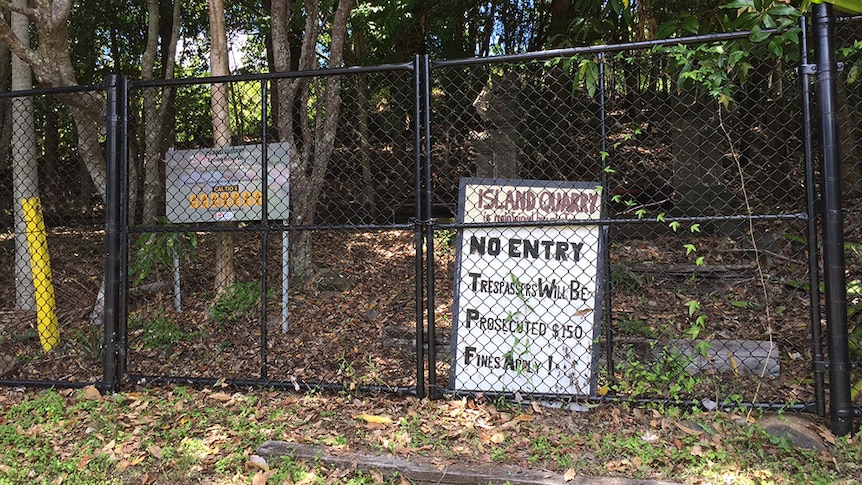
(224, 184)
(527, 299)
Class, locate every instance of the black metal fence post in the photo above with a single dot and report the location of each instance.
(605, 284)
(122, 350)
(429, 228)
(812, 206)
(264, 237)
(840, 409)
(417, 226)
(113, 237)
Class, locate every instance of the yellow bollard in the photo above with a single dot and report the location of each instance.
(40, 264)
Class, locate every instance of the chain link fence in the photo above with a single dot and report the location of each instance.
(849, 52)
(581, 227)
(695, 281)
(210, 294)
(51, 241)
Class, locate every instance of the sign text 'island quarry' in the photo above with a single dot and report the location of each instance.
(527, 298)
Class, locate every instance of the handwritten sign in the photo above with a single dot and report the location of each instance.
(224, 184)
(527, 299)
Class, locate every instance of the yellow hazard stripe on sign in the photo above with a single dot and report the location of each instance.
(40, 264)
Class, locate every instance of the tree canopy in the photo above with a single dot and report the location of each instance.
(110, 39)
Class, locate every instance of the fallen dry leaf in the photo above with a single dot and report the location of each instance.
(82, 463)
(569, 475)
(518, 419)
(156, 451)
(376, 475)
(370, 418)
(221, 396)
(498, 438)
(261, 477)
(90, 392)
(687, 430)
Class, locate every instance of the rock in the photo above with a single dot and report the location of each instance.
(8, 365)
(799, 428)
(329, 280)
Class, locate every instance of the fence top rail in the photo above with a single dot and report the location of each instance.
(51, 91)
(599, 49)
(854, 18)
(408, 66)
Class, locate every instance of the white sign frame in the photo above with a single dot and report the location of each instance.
(527, 306)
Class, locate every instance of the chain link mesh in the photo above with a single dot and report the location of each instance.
(706, 253)
(849, 84)
(349, 319)
(51, 245)
(694, 286)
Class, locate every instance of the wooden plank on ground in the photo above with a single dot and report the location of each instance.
(421, 470)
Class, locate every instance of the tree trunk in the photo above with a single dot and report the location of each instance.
(558, 25)
(51, 63)
(155, 115)
(368, 199)
(225, 261)
(312, 150)
(5, 104)
(25, 179)
(369, 203)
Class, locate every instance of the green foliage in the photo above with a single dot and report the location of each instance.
(445, 237)
(629, 280)
(157, 249)
(697, 326)
(636, 327)
(720, 69)
(161, 333)
(761, 15)
(851, 56)
(89, 341)
(665, 376)
(195, 125)
(206, 436)
(236, 302)
(588, 75)
(520, 347)
(709, 67)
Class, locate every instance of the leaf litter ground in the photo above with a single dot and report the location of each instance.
(210, 435)
(359, 329)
